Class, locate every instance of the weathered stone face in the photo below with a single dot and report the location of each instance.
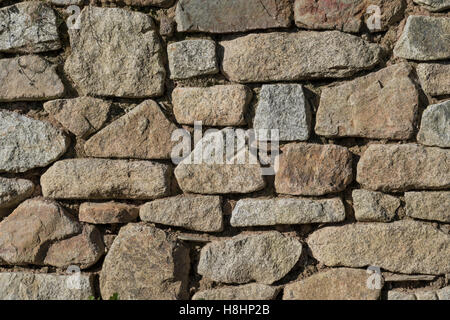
(218, 16)
(435, 126)
(428, 205)
(107, 212)
(441, 294)
(434, 5)
(14, 191)
(116, 53)
(382, 105)
(434, 78)
(252, 291)
(143, 3)
(145, 263)
(371, 206)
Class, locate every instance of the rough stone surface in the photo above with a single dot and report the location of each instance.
(218, 16)
(200, 213)
(223, 105)
(191, 58)
(252, 291)
(428, 205)
(28, 78)
(82, 116)
(434, 78)
(397, 168)
(99, 179)
(371, 206)
(399, 295)
(27, 232)
(284, 107)
(145, 263)
(435, 126)
(313, 170)
(441, 294)
(143, 133)
(336, 284)
(142, 3)
(382, 105)
(27, 143)
(296, 56)
(268, 212)
(434, 5)
(264, 258)
(424, 38)
(28, 27)
(14, 191)
(116, 52)
(33, 286)
(107, 212)
(402, 246)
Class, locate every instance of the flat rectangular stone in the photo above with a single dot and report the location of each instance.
(434, 78)
(428, 205)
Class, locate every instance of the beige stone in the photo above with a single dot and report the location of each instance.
(107, 212)
(252, 291)
(428, 205)
(372, 206)
(434, 78)
(14, 191)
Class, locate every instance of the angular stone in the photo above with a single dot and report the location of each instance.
(382, 105)
(426, 295)
(444, 293)
(28, 27)
(143, 133)
(34, 286)
(116, 52)
(424, 38)
(300, 55)
(200, 213)
(66, 2)
(14, 191)
(313, 170)
(217, 16)
(435, 126)
(191, 58)
(264, 258)
(284, 107)
(107, 212)
(101, 179)
(27, 143)
(403, 246)
(27, 232)
(397, 168)
(142, 3)
(269, 212)
(217, 174)
(29, 78)
(371, 206)
(83, 250)
(335, 284)
(434, 78)
(252, 291)
(428, 205)
(434, 5)
(145, 263)
(82, 116)
(223, 105)
(399, 295)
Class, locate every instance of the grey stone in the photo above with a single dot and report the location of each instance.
(252, 291)
(399, 295)
(434, 78)
(435, 125)
(444, 293)
(433, 205)
(371, 206)
(14, 191)
(434, 5)
(426, 295)
(441, 294)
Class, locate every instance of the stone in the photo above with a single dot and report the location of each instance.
(192, 58)
(424, 38)
(434, 78)
(35, 286)
(371, 206)
(216, 173)
(27, 143)
(83, 250)
(29, 78)
(116, 53)
(82, 116)
(334, 284)
(102, 179)
(143, 133)
(14, 191)
(398, 168)
(142, 3)
(399, 295)
(428, 205)
(435, 126)
(217, 16)
(434, 5)
(199, 213)
(279, 211)
(26, 234)
(444, 293)
(222, 105)
(107, 212)
(381, 105)
(264, 258)
(28, 27)
(313, 169)
(304, 55)
(404, 246)
(284, 107)
(145, 263)
(252, 291)
(426, 295)
(441, 294)
(66, 2)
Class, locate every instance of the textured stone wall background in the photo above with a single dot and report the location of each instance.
(87, 183)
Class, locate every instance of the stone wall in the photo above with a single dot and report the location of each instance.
(92, 204)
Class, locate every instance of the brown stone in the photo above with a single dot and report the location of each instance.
(434, 78)
(428, 205)
(252, 291)
(108, 212)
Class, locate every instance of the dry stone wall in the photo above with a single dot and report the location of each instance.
(96, 201)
